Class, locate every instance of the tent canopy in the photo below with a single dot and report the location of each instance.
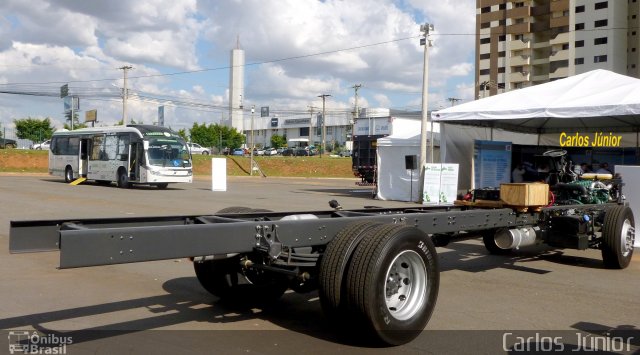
(598, 100)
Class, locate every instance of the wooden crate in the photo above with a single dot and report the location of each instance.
(525, 194)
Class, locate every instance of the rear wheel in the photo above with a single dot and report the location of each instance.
(227, 280)
(393, 282)
(618, 235)
(68, 174)
(123, 179)
(162, 186)
(333, 269)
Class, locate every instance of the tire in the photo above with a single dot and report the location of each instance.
(162, 186)
(123, 180)
(38, 148)
(68, 174)
(488, 237)
(226, 280)
(205, 153)
(392, 283)
(618, 237)
(10, 146)
(333, 268)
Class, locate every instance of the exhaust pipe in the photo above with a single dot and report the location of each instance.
(517, 237)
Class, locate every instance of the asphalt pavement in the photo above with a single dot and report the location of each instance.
(486, 304)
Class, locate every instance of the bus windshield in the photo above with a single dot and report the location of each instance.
(168, 152)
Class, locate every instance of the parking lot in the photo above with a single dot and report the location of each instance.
(160, 307)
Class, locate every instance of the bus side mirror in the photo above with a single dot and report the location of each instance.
(145, 144)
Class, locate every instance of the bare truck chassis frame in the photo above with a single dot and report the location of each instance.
(373, 267)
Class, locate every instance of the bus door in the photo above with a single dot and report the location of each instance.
(136, 155)
(83, 164)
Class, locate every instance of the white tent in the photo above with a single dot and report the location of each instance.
(395, 182)
(596, 101)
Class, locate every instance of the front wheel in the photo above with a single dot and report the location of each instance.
(68, 174)
(618, 235)
(162, 186)
(393, 281)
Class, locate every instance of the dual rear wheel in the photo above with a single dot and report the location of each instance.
(382, 279)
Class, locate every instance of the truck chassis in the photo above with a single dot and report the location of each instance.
(375, 269)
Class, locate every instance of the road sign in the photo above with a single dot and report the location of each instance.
(64, 91)
(91, 116)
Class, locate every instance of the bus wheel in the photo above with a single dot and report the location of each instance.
(162, 186)
(68, 174)
(392, 283)
(123, 179)
(618, 234)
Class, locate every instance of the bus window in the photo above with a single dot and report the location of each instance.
(110, 147)
(74, 146)
(98, 149)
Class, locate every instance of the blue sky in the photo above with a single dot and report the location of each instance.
(180, 53)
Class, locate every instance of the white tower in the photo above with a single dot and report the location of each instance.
(236, 88)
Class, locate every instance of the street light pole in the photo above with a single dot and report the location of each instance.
(253, 109)
(425, 112)
(324, 124)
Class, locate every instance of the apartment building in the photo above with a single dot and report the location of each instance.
(524, 43)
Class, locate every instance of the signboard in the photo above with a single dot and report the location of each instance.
(440, 184)
(274, 122)
(491, 163)
(297, 121)
(64, 91)
(161, 116)
(431, 187)
(264, 111)
(91, 116)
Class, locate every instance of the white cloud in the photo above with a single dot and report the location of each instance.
(62, 40)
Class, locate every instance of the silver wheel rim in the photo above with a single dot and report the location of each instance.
(405, 285)
(627, 236)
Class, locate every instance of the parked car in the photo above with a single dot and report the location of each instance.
(345, 153)
(288, 152)
(8, 143)
(270, 151)
(238, 151)
(258, 151)
(279, 150)
(41, 146)
(196, 148)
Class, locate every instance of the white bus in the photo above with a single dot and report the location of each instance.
(135, 154)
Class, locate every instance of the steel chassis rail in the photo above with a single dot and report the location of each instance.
(91, 242)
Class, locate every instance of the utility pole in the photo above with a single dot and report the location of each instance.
(125, 93)
(310, 124)
(425, 29)
(253, 109)
(356, 112)
(324, 123)
(453, 100)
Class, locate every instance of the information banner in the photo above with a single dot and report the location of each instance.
(431, 187)
(449, 183)
(491, 163)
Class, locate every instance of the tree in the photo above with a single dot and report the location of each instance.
(36, 130)
(76, 121)
(215, 135)
(131, 121)
(278, 141)
(183, 133)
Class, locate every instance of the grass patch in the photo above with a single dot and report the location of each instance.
(36, 161)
